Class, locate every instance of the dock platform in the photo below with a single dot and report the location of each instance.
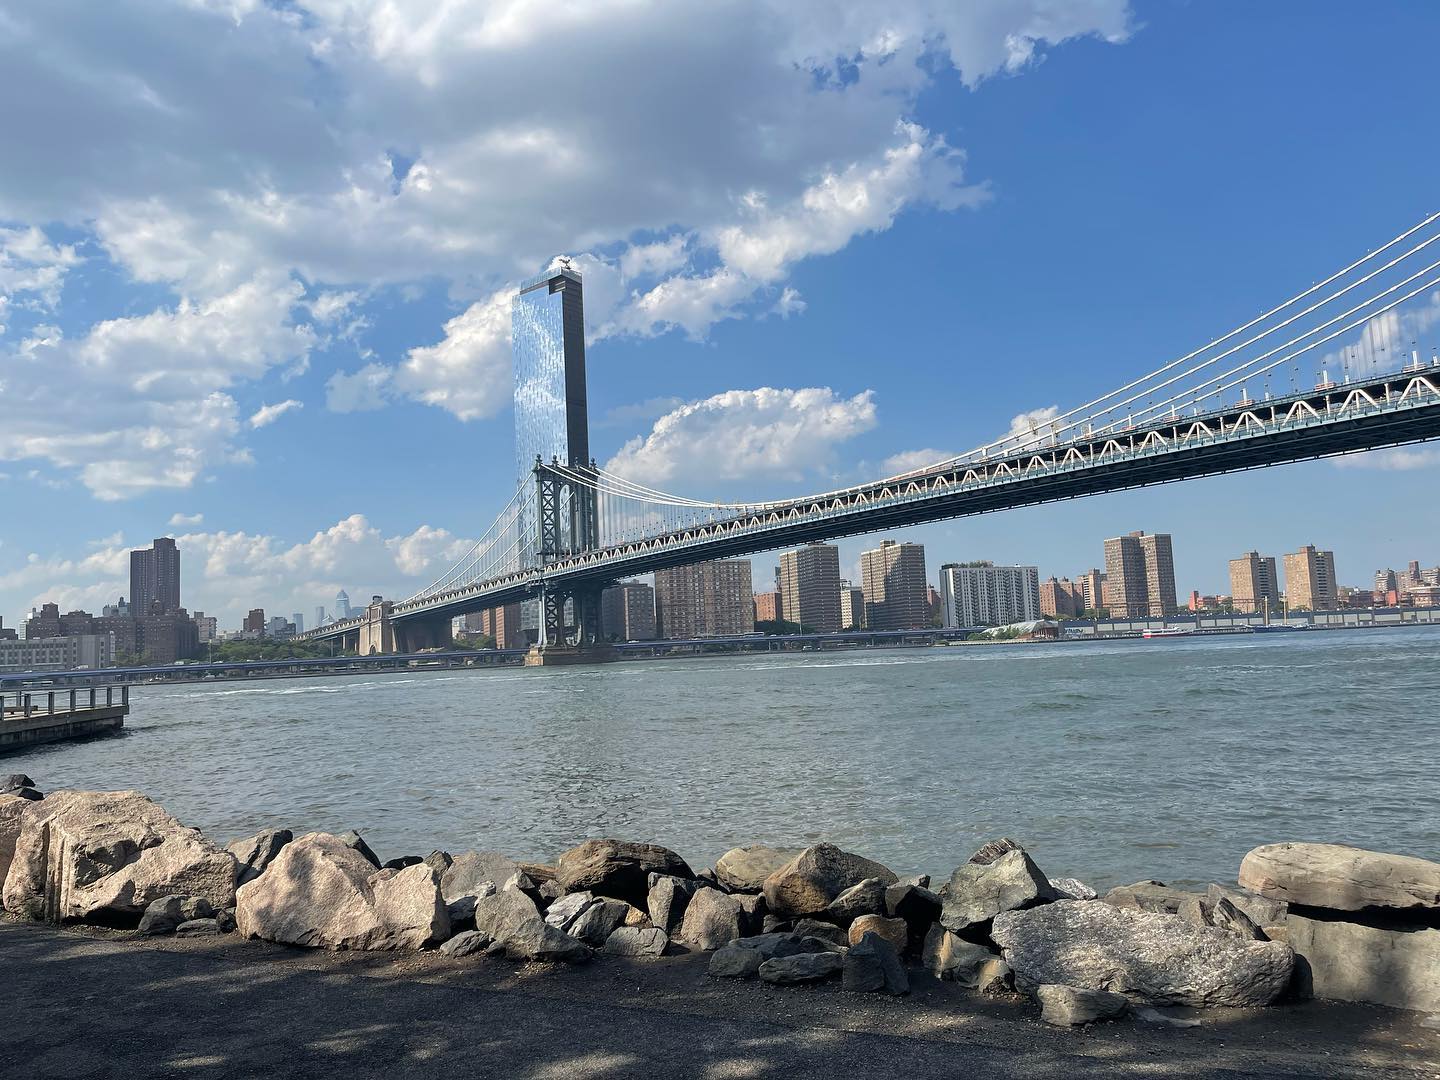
(31, 717)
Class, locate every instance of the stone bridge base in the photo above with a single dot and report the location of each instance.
(569, 655)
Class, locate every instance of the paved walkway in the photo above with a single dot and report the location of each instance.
(80, 1005)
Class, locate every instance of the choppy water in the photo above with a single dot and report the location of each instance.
(1110, 761)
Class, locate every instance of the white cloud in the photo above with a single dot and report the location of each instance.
(1035, 421)
(790, 303)
(361, 391)
(427, 548)
(330, 306)
(268, 414)
(178, 520)
(1396, 459)
(33, 268)
(912, 460)
(468, 371)
(745, 434)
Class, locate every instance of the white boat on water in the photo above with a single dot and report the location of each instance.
(1168, 631)
(1279, 628)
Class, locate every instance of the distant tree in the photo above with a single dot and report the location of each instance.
(780, 626)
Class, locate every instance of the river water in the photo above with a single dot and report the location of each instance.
(1109, 761)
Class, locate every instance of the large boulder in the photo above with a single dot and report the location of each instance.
(666, 900)
(617, 868)
(952, 958)
(470, 870)
(1153, 959)
(597, 922)
(895, 931)
(12, 807)
(636, 941)
(712, 918)
(977, 892)
(744, 869)
(511, 921)
(1149, 896)
(807, 883)
(801, 968)
(320, 891)
(1346, 961)
(1341, 878)
(1071, 1006)
(103, 856)
(254, 853)
(873, 965)
(866, 898)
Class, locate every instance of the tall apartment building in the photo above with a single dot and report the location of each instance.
(503, 624)
(155, 578)
(983, 594)
(1140, 576)
(627, 612)
(767, 607)
(852, 607)
(1061, 599)
(892, 577)
(1092, 590)
(206, 626)
(1254, 583)
(254, 621)
(810, 587)
(1310, 579)
(710, 599)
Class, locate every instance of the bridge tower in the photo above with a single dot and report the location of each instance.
(552, 444)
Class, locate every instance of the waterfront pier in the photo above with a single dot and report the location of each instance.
(31, 717)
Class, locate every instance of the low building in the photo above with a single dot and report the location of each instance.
(70, 653)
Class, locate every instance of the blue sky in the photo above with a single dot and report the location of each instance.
(255, 262)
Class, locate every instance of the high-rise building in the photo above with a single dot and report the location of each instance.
(1310, 579)
(1254, 584)
(892, 577)
(1060, 599)
(627, 612)
(155, 578)
(1140, 576)
(503, 624)
(767, 607)
(277, 627)
(299, 621)
(342, 605)
(810, 587)
(983, 594)
(932, 600)
(205, 626)
(709, 599)
(320, 619)
(852, 607)
(1092, 590)
(254, 621)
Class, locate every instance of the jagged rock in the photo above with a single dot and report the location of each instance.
(916, 904)
(921, 881)
(666, 900)
(636, 919)
(198, 928)
(470, 870)
(353, 839)
(402, 862)
(711, 919)
(597, 922)
(1341, 878)
(950, 957)
(617, 868)
(254, 853)
(801, 968)
(733, 962)
(165, 913)
(1153, 896)
(1195, 910)
(994, 976)
(808, 882)
(1262, 910)
(520, 881)
(977, 892)
(752, 912)
(988, 853)
(225, 919)
(1346, 961)
(465, 943)
(322, 892)
(14, 782)
(512, 922)
(12, 808)
(564, 911)
(872, 965)
(772, 924)
(439, 861)
(1069, 888)
(541, 872)
(550, 891)
(1152, 958)
(103, 856)
(1071, 1006)
(865, 898)
(636, 941)
(462, 909)
(744, 869)
(825, 931)
(895, 931)
(1226, 916)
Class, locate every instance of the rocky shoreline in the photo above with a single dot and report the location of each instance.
(1303, 920)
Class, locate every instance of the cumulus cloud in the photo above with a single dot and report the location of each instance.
(178, 520)
(32, 268)
(1397, 459)
(1035, 421)
(468, 371)
(912, 460)
(360, 391)
(744, 434)
(268, 414)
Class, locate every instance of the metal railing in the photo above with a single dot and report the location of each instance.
(24, 704)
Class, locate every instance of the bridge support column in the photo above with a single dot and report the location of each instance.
(412, 635)
(377, 633)
(571, 642)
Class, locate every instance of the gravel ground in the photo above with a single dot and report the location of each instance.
(82, 1004)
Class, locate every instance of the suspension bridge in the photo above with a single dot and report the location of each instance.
(1334, 369)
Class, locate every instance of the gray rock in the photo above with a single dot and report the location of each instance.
(872, 965)
(772, 945)
(550, 891)
(462, 909)
(439, 861)
(1152, 958)
(1153, 896)
(916, 904)
(1346, 961)
(807, 883)
(513, 923)
(225, 920)
(353, 839)
(1069, 888)
(825, 931)
(465, 943)
(988, 853)
(977, 892)
(103, 856)
(1071, 1006)
(744, 869)
(866, 898)
(711, 919)
(667, 899)
(469, 870)
(1341, 878)
(801, 968)
(617, 868)
(1262, 910)
(254, 853)
(1225, 915)
(733, 962)
(12, 809)
(166, 913)
(952, 958)
(994, 977)
(564, 911)
(636, 941)
(597, 922)
(322, 892)
(772, 924)
(14, 782)
(198, 928)
(921, 881)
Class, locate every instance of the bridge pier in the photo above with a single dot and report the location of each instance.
(558, 647)
(413, 635)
